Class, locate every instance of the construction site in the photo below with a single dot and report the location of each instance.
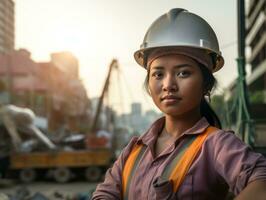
(50, 143)
(52, 133)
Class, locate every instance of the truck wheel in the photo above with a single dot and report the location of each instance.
(93, 174)
(27, 175)
(62, 174)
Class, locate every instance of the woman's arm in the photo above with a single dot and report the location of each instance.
(111, 188)
(238, 165)
(254, 190)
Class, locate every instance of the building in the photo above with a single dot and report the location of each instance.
(68, 101)
(136, 117)
(255, 39)
(136, 109)
(256, 43)
(7, 26)
(256, 57)
(17, 77)
(46, 88)
(137, 122)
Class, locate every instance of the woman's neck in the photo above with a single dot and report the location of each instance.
(176, 125)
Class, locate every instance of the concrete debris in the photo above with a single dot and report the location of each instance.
(39, 196)
(74, 141)
(3, 196)
(24, 193)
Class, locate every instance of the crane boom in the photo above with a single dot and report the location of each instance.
(112, 66)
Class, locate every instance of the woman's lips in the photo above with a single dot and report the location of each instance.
(170, 99)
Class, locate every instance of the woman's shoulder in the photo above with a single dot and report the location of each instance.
(226, 145)
(222, 140)
(132, 141)
(220, 135)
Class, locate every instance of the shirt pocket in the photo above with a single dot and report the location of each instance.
(163, 189)
(185, 191)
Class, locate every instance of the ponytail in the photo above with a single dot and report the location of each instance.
(205, 108)
(207, 112)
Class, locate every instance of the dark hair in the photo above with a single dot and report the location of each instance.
(205, 108)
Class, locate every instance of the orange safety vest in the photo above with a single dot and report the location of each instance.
(176, 170)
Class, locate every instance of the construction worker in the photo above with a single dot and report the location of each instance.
(185, 154)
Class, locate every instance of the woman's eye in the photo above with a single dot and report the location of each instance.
(183, 74)
(157, 75)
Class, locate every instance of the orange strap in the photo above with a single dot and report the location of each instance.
(179, 172)
(130, 167)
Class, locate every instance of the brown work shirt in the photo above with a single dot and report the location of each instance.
(223, 162)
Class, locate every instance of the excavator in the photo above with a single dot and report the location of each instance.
(62, 164)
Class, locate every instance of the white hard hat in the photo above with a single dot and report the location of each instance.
(180, 29)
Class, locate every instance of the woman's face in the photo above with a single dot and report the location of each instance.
(176, 84)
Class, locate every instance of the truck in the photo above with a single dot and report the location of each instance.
(60, 163)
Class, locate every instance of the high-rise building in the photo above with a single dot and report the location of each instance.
(136, 109)
(7, 26)
(256, 41)
(256, 81)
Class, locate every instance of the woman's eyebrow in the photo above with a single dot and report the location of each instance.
(183, 65)
(176, 66)
(157, 67)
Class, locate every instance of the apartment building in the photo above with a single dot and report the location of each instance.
(7, 26)
(256, 43)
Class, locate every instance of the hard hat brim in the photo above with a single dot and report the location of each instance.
(141, 55)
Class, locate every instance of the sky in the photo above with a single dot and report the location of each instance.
(98, 31)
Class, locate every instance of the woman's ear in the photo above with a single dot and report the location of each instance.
(149, 90)
(207, 89)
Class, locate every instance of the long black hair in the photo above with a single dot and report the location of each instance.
(209, 82)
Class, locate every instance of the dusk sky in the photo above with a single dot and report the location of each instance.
(97, 31)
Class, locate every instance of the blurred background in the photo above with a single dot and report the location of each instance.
(72, 95)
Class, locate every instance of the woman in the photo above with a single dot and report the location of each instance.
(185, 154)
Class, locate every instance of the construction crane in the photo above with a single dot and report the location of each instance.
(93, 141)
(113, 65)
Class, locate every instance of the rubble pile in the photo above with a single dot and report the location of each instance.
(24, 193)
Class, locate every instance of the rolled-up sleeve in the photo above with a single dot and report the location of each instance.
(236, 163)
(110, 189)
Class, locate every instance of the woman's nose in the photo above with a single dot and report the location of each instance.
(170, 84)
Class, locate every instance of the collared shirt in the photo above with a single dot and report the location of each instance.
(224, 162)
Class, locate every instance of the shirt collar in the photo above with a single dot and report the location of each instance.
(158, 125)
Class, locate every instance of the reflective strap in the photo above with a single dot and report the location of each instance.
(171, 166)
(130, 167)
(188, 153)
